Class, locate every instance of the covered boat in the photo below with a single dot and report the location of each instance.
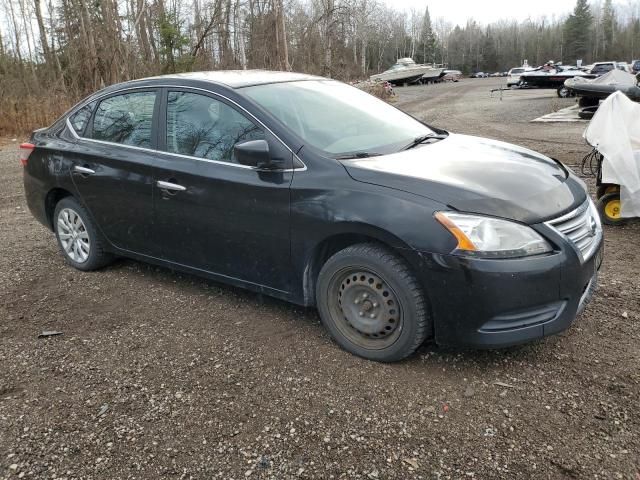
(601, 87)
(406, 70)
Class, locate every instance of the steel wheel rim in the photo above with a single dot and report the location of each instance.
(612, 209)
(365, 308)
(73, 235)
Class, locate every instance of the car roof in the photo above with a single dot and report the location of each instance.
(239, 78)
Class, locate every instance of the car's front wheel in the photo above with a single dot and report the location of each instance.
(78, 237)
(372, 304)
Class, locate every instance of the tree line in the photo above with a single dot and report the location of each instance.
(53, 52)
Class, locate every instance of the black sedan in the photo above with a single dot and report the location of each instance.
(313, 191)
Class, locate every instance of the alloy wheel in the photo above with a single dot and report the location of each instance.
(73, 235)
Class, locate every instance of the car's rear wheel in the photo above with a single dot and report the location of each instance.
(77, 236)
(563, 92)
(372, 304)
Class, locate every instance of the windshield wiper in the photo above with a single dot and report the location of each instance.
(423, 138)
(352, 155)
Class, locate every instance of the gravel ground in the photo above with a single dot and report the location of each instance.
(163, 375)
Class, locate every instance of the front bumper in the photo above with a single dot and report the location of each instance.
(496, 303)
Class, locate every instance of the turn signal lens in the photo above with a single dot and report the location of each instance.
(463, 241)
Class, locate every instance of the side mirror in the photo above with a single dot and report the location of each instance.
(253, 153)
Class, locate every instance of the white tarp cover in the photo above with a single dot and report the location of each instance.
(614, 77)
(615, 132)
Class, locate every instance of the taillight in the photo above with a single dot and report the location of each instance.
(25, 151)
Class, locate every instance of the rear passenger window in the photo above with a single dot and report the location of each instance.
(80, 119)
(125, 119)
(200, 126)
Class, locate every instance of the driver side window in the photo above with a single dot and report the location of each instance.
(201, 126)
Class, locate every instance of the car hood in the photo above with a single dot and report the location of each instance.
(477, 175)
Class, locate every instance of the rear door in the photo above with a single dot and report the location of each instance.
(113, 167)
(212, 213)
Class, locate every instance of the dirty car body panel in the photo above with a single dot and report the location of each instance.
(270, 231)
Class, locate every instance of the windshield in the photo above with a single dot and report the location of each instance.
(336, 118)
(517, 70)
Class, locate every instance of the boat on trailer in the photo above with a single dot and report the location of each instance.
(552, 76)
(602, 87)
(406, 71)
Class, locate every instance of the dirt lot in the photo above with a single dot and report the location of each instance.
(162, 375)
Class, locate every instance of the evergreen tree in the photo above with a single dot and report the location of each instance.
(172, 40)
(427, 45)
(577, 32)
(635, 38)
(607, 26)
(489, 54)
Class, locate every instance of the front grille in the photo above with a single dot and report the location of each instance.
(582, 228)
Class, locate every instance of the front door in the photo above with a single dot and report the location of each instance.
(212, 213)
(113, 168)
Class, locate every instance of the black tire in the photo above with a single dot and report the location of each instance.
(564, 92)
(396, 321)
(588, 102)
(605, 188)
(605, 207)
(86, 234)
(587, 113)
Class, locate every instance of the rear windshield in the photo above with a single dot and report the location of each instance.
(517, 70)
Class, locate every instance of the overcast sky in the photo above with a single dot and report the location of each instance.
(486, 11)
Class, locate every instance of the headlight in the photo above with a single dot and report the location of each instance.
(491, 237)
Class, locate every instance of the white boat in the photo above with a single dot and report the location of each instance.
(406, 70)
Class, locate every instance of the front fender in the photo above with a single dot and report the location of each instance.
(326, 219)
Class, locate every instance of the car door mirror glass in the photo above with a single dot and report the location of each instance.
(253, 153)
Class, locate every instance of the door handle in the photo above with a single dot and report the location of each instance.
(83, 170)
(172, 187)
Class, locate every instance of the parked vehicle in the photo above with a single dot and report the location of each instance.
(635, 67)
(624, 66)
(600, 68)
(553, 76)
(513, 75)
(315, 192)
(451, 76)
(479, 75)
(591, 91)
(407, 71)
